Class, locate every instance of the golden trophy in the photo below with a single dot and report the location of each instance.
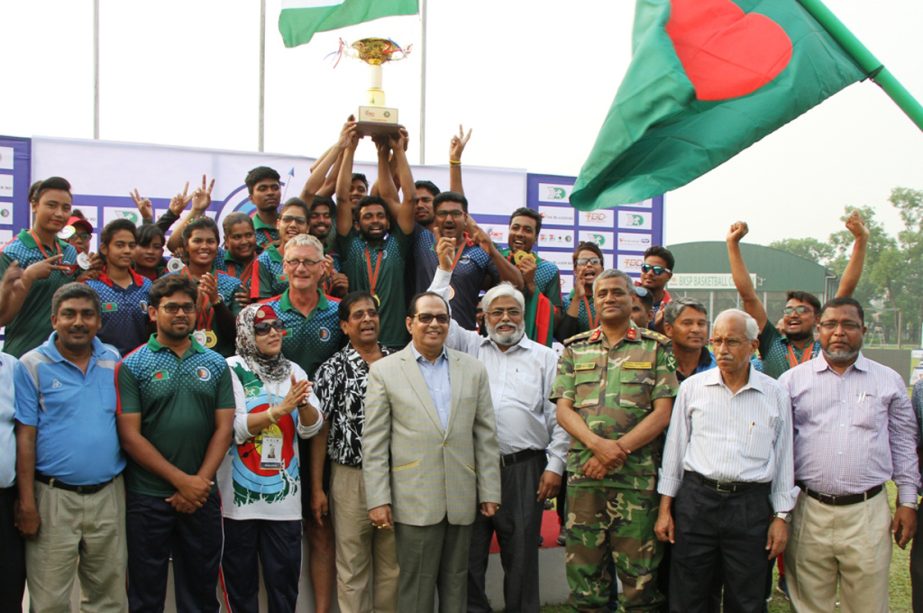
(375, 118)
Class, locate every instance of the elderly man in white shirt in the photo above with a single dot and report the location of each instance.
(532, 444)
(728, 466)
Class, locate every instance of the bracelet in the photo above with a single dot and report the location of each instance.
(272, 418)
(455, 162)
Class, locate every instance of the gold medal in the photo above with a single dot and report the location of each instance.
(520, 256)
(211, 339)
(451, 292)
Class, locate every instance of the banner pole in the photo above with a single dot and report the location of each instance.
(866, 61)
(95, 69)
(423, 83)
(262, 109)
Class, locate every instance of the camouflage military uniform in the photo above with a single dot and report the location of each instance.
(613, 389)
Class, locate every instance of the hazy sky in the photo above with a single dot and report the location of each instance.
(534, 79)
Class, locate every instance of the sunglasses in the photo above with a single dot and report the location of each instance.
(262, 328)
(427, 318)
(800, 309)
(658, 270)
(588, 261)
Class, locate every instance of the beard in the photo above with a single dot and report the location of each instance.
(506, 338)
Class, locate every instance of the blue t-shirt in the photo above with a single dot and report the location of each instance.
(73, 413)
(124, 311)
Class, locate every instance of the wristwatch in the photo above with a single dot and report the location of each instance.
(785, 516)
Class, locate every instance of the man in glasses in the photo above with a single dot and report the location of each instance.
(797, 345)
(854, 429)
(366, 560)
(656, 272)
(430, 457)
(175, 420)
(726, 483)
(312, 334)
(291, 221)
(614, 392)
(533, 446)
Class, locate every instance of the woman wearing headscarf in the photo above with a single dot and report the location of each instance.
(259, 478)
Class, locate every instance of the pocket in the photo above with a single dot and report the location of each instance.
(586, 387)
(759, 442)
(406, 466)
(865, 413)
(635, 387)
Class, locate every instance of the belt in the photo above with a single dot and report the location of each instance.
(726, 487)
(520, 456)
(80, 489)
(841, 499)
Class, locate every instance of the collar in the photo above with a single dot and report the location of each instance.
(632, 335)
(754, 381)
(820, 363)
(285, 303)
(274, 254)
(522, 343)
(135, 277)
(51, 350)
(25, 237)
(350, 353)
(259, 224)
(155, 346)
(417, 356)
(706, 361)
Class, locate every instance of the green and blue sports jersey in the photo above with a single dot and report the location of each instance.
(310, 340)
(124, 311)
(272, 277)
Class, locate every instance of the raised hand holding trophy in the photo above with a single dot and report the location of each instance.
(374, 118)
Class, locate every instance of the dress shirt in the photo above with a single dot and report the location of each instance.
(852, 431)
(436, 376)
(7, 421)
(726, 436)
(520, 384)
(916, 399)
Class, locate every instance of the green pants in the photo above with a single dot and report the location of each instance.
(604, 522)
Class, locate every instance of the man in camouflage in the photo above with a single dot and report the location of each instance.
(614, 394)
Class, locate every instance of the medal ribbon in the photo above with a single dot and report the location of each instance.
(793, 360)
(41, 247)
(204, 312)
(373, 275)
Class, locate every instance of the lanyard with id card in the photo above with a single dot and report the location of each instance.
(271, 443)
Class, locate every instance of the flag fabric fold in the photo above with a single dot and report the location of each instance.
(707, 79)
(300, 19)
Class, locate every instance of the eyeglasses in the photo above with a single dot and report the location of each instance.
(848, 326)
(588, 261)
(454, 213)
(730, 343)
(84, 236)
(171, 308)
(293, 219)
(498, 313)
(800, 309)
(307, 263)
(361, 314)
(262, 328)
(427, 318)
(658, 270)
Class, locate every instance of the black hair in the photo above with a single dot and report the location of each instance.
(428, 186)
(148, 232)
(350, 299)
(172, 284)
(200, 223)
(527, 212)
(589, 246)
(235, 218)
(296, 201)
(326, 201)
(260, 173)
(358, 176)
(663, 253)
(412, 307)
(117, 225)
(801, 296)
(841, 302)
(40, 187)
(450, 197)
(71, 291)
(645, 296)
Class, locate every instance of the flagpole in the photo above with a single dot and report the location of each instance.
(262, 75)
(866, 61)
(423, 83)
(95, 69)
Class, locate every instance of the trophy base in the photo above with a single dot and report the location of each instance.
(375, 128)
(377, 121)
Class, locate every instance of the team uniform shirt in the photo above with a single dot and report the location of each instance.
(547, 278)
(272, 278)
(228, 287)
(779, 355)
(177, 398)
(586, 312)
(259, 477)
(613, 388)
(265, 234)
(7, 421)
(123, 310)
(247, 274)
(474, 270)
(73, 413)
(743, 436)
(32, 323)
(384, 263)
(310, 340)
(340, 384)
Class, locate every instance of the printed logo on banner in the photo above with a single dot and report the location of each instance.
(561, 259)
(640, 220)
(630, 263)
(110, 214)
(498, 233)
(597, 219)
(6, 213)
(567, 283)
(6, 186)
(634, 242)
(556, 238)
(553, 192)
(603, 239)
(644, 204)
(556, 215)
(7, 158)
(92, 215)
(5, 236)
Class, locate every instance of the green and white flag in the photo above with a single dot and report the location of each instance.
(300, 19)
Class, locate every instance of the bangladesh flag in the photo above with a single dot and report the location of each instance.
(707, 79)
(300, 19)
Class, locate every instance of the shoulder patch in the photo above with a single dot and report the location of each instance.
(657, 336)
(579, 337)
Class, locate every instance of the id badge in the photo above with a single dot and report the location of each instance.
(271, 451)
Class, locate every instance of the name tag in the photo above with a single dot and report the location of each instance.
(585, 366)
(637, 365)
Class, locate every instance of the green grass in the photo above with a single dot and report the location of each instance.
(898, 590)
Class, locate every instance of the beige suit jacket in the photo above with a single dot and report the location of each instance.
(408, 461)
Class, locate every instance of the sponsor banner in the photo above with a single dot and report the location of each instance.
(605, 240)
(630, 263)
(567, 283)
(7, 158)
(603, 218)
(6, 186)
(630, 241)
(556, 215)
(706, 281)
(6, 213)
(498, 233)
(555, 192)
(635, 220)
(552, 237)
(562, 259)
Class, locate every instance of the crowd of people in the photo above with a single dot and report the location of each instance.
(363, 366)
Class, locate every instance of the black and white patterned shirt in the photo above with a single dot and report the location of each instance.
(340, 384)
